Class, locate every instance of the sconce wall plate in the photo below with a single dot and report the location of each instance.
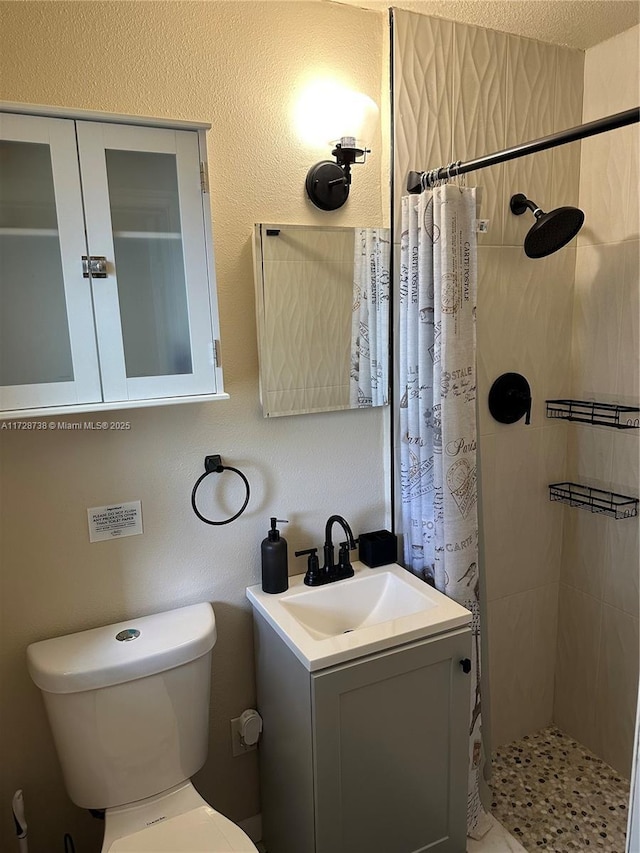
(327, 185)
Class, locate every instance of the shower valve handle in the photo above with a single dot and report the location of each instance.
(525, 400)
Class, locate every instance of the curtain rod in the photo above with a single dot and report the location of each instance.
(415, 179)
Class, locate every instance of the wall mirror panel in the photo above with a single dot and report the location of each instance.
(322, 305)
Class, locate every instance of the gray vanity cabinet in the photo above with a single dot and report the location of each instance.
(368, 756)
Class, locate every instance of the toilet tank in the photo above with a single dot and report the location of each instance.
(128, 704)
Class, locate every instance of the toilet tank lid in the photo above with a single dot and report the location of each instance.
(123, 652)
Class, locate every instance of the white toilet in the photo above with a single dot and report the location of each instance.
(129, 710)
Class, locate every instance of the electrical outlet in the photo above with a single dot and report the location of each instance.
(238, 747)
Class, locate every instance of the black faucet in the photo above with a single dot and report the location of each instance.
(343, 569)
(317, 576)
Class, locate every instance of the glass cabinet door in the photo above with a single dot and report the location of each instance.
(47, 348)
(144, 214)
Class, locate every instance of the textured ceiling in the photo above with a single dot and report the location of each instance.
(576, 23)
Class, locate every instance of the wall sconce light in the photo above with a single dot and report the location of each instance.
(327, 113)
(328, 183)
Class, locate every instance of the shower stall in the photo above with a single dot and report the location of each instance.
(560, 609)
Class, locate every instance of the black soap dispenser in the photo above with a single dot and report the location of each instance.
(275, 566)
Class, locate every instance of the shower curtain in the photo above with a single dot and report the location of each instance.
(369, 382)
(438, 417)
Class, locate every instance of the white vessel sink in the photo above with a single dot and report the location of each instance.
(372, 611)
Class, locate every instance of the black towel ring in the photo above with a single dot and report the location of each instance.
(213, 464)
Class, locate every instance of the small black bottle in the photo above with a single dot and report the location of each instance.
(275, 567)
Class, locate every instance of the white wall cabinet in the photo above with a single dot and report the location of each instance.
(369, 756)
(107, 283)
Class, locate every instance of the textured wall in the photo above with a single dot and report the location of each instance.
(461, 92)
(239, 66)
(597, 674)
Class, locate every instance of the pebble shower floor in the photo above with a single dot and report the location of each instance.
(553, 795)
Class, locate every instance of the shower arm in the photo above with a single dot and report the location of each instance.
(418, 181)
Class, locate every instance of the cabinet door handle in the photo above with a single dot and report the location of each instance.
(94, 266)
(465, 663)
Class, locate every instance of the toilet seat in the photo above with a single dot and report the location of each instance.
(176, 821)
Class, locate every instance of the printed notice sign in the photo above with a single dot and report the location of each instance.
(113, 522)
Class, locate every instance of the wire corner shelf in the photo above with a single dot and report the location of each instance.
(591, 412)
(595, 500)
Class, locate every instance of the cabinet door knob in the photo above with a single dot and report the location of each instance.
(94, 266)
(465, 663)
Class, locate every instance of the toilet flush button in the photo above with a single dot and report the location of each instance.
(128, 634)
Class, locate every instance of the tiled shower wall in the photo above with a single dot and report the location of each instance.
(461, 92)
(597, 667)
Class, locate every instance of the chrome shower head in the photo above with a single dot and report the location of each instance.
(551, 231)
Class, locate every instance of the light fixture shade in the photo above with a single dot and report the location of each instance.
(357, 116)
(326, 111)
